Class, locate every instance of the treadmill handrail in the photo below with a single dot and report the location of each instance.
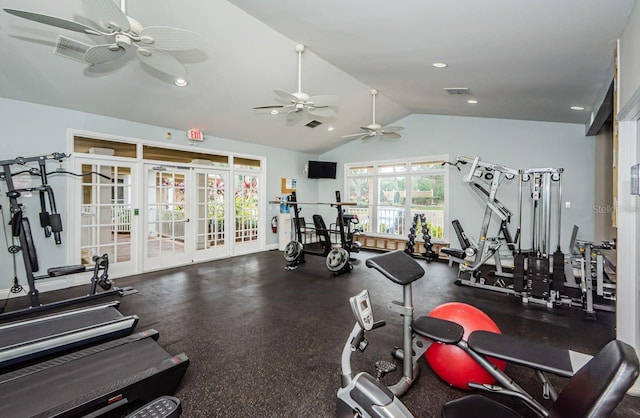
(115, 304)
(39, 344)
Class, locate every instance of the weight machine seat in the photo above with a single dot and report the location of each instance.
(454, 252)
(437, 329)
(64, 270)
(526, 353)
(594, 391)
(397, 266)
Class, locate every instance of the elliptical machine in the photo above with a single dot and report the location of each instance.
(363, 395)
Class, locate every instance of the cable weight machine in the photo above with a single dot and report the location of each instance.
(51, 223)
(538, 274)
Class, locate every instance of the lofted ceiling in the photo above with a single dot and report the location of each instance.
(529, 59)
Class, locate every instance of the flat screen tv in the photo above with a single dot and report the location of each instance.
(322, 170)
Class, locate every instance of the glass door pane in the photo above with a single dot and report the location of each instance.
(246, 196)
(210, 218)
(106, 198)
(167, 221)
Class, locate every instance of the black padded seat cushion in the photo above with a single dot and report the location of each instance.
(437, 329)
(397, 266)
(523, 352)
(599, 386)
(64, 270)
(476, 406)
(453, 252)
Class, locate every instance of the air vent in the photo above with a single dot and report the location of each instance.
(313, 123)
(457, 90)
(70, 48)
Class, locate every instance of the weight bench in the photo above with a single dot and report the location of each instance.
(594, 391)
(481, 345)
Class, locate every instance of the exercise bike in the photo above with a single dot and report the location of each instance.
(362, 395)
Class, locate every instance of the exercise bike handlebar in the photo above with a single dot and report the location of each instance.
(353, 343)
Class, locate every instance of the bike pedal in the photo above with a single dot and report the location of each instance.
(383, 367)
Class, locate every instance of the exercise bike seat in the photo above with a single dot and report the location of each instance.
(64, 270)
(397, 266)
(437, 329)
(526, 353)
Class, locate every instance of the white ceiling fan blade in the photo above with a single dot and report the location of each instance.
(324, 100)
(391, 135)
(54, 21)
(161, 61)
(285, 95)
(269, 107)
(171, 39)
(354, 135)
(102, 54)
(323, 112)
(368, 136)
(107, 14)
(70, 48)
(393, 128)
(294, 116)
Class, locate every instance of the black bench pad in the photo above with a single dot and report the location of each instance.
(526, 353)
(64, 270)
(397, 266)
(453, 252)
(472, 406)
(437, 329)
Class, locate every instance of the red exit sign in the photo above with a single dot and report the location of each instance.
(195, 135)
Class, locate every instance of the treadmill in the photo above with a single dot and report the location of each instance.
(93, 381)
(25, 340)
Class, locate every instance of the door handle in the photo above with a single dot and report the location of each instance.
(187, 220)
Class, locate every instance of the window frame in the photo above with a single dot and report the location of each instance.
(408, 173)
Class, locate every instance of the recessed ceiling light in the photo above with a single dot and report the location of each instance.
(274, 112)
(180, 82)
(577, 108)
(440, 64)
(472, 101)
(330, 128)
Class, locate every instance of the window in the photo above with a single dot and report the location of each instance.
(389, 194)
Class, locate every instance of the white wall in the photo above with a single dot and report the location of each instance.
(31, 130)
(514, 143)
(629, 56)
(628, 268)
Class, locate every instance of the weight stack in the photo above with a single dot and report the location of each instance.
(518, 272)
(539, 277)
(558, 271)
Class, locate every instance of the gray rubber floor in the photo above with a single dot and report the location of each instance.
(266, 342)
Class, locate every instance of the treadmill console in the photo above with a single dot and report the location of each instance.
(361, 307)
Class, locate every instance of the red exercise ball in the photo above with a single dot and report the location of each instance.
(451, 363)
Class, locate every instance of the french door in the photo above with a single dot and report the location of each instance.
(168, 234)
(246, 205)
(211, 213)
(149, 217)
(106, 199)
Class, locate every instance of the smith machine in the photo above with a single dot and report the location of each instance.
(51, 223)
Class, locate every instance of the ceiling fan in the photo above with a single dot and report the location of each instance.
(123, 32)
(375, 129)
(298, 102)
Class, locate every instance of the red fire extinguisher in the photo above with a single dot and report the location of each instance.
(274, 224)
